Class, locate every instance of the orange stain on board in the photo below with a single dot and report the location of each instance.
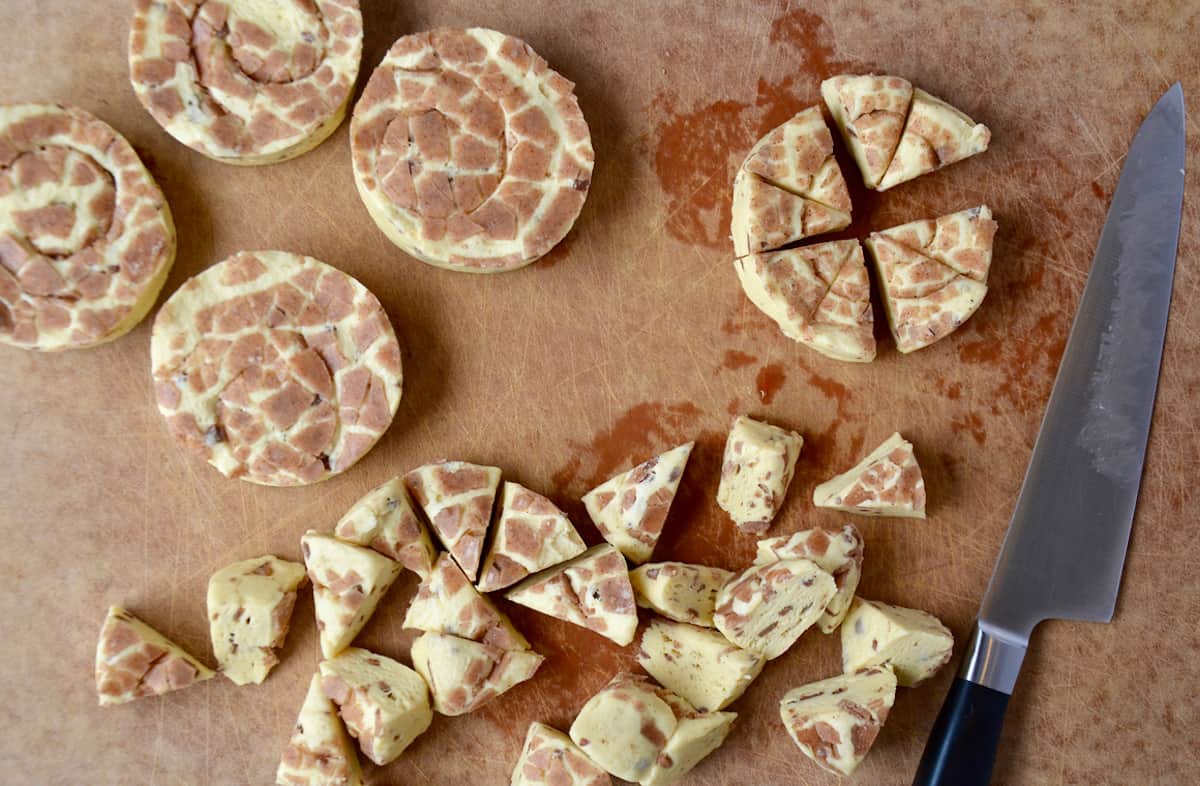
(735, 359)
(768, 382)
(642, 431)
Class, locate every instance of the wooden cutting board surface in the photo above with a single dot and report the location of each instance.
(631, 337)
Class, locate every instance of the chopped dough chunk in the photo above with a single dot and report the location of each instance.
(549, 758)
(696, 735)
(839, 554)
(86, 237)
(457, 498)
(384, 519)
(348, 582)
(319, 753)
(682, 592)
(641, 732)
(134, 660)
(887, 482)
(766, 608)
(759, 462)
(699, 664)
(463, 675)
(819, 295)
(630, 509)
(913, 642)
(869, 111)
(469, 151)
(592, 591)
(835, 721)
(384, 704)
(935, 135)
(249, 610)
(933, 273)
(276, 368)
(530, 535)
(789, 187)
(246, 82)
(447, 603)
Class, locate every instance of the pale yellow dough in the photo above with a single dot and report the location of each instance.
(249, 609)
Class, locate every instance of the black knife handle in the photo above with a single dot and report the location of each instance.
(962, 746)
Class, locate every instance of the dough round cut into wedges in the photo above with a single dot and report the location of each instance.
(86, 237)
(470, 152)
(869, 111)
(819, 295)
(276, 368)
(246, 81)
(835, 721)
(933, 274)
(789, 187)
(935, 135)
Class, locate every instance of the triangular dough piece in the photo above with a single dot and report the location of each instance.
(869, 111)
(348, 582)
(935, 135)
(592, 591)
(925, 300)
(962, 241)
(385, 520)
(549, 758)
(630, 509)
(134, 660)
(447, 603)
(766, 217)
(531, 534)
(888, 482)
(457, 498)
(798, 157)
(819, 295)
(464, 675)
(320, 752)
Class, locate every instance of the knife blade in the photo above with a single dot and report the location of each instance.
(1065, 549)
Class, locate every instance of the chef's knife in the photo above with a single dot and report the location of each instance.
(1065, 548)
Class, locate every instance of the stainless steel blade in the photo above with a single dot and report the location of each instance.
(1065, 548)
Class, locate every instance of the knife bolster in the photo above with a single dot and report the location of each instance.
(993, 658)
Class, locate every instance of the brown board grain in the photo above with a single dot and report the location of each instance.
(630, 337)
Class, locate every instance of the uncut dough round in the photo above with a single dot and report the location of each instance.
(246, 81)
(470, 153)
(276, 368)
(86, 237)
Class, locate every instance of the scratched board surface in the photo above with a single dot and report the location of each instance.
(629, 338)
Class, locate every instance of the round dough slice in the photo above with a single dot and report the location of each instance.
(470, 153)
(246, 81)
(276, 368)
(86, 237)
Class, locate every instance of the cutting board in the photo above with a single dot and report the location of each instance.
(629, 338)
